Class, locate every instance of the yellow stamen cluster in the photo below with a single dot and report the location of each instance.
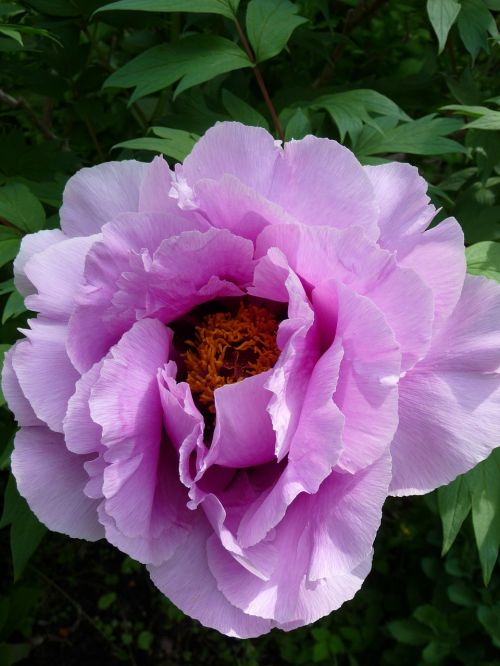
(227, 348)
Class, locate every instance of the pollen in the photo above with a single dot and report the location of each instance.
(228, 348)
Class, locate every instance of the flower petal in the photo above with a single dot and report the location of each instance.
(401, 194)
(30, 245)
(23, 411)
(326, 540)
(438, 257)
(248, 153)
(96, 195)
(57, 273)
(52, 479)
(45, 373)
(320, 253)
(366, 391)
(187, 581)
(320, 182)
(244, 433)
(144, 510)
(449, 404)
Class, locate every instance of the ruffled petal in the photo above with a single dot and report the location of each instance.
(144, 509)
(187, 581)
(438, 257)
(315, 449)
(52, 479)
(31, 245)
(96, 324)
(401, 195)
(23, 411)
(96, 195)
(320, 182)
(56, 273)
(186, 270)
(449, 404)
(367, 387)
(248, 153)
(320, 253)
(45, 373)
(81, 433)
(325, 539)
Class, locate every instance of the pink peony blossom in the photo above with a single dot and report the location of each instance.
(233, 365)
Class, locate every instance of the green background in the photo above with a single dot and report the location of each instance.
(84, 81)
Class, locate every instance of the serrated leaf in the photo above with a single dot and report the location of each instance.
(351, 109)
(485, 491)
(171, 142)
(192, 60)
(486, 119)
(425, 136)
(241, 111)
(226, 8)
(269, 26)
(442, 15)
(484, 259)
(475, 23)
(454, 502)
(21, 208)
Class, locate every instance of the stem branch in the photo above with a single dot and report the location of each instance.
(260, 81)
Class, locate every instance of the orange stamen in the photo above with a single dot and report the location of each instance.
(227, 348)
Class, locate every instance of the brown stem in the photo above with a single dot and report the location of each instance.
(21, 103)
(260, 81)
(354, 17)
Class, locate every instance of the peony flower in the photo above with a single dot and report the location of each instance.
(234, 364)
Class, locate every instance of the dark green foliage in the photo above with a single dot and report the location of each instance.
(83, 81)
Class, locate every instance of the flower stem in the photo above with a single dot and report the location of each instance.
(260, 81)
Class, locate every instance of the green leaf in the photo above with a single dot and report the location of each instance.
(226, 8)
(485, 491)
(486, 119)
(13, 307)
(171, 142)
(442, 15)
(484, 259)
(475, 23)
(425, 136)
(298, 125)
(8, 250)
(351, 109)
(454, 502)
(241, 111)
(193, 60)
(26, 531)
(21, 208)
(106, 600)
(145, 640)
(490, 619)
(13, 34)
(269, 26)
(462, 594)
(409, 632)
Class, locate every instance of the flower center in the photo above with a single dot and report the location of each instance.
(227, 348)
